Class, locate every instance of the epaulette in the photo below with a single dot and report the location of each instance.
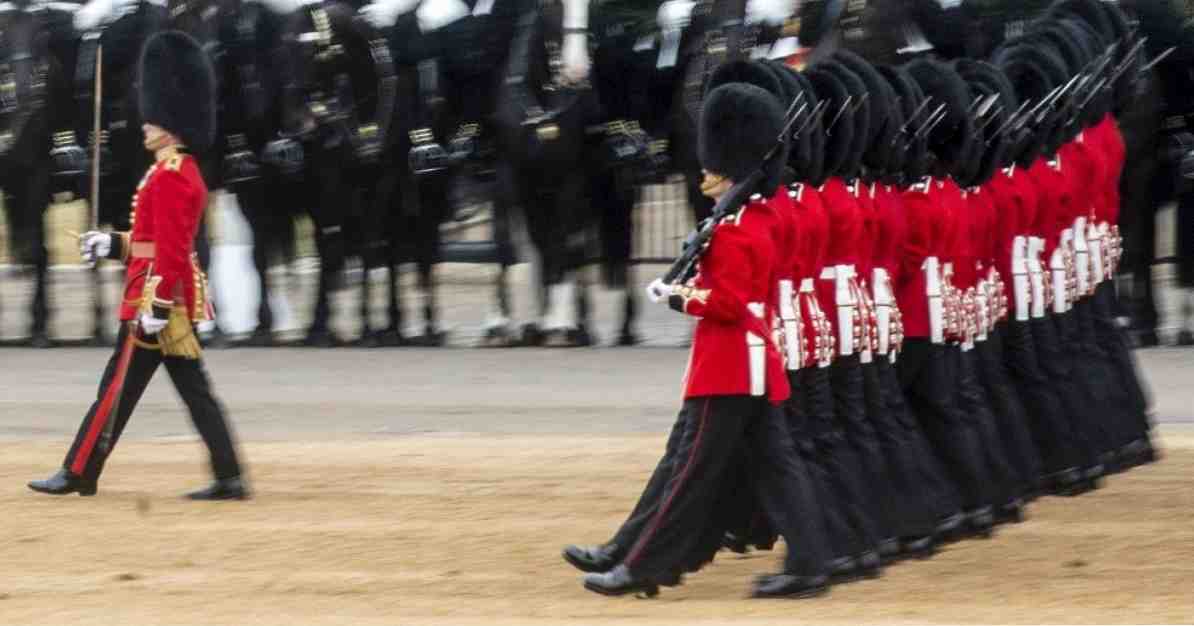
(174, 163)
(922, 185)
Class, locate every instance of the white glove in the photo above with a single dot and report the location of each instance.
(576, 57)
(659, 291)
(436, 14)
(383, 13)
(99, 13)
(674, 14)
(150, 325)
(773, 12)
(93, 245)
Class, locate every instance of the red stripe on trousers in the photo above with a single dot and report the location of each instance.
(684, 474)
(103, 412)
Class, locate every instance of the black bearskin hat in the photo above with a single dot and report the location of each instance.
(749, 72)
(909, 157)
(1109, 22)
(1088, 11)
(860, 110)
(814, 170)
(178, 88)
(760, 75)
(1124, 89)
(739, 125)
(882, 104)
(1033, 71)
(839, 138)
(799, 146)
(947, 26)
(986, 80)
(1094, 45)
(951, 141)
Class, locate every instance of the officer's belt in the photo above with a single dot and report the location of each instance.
(143, 250)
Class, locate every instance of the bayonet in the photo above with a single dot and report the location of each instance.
(841, 111)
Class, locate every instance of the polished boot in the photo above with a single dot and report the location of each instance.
(591, 559)
(790, 586)
(619, 582)
(1010, 513)
(919, 548)
(64, 483)
(224, 489)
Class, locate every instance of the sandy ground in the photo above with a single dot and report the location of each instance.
(432, 529)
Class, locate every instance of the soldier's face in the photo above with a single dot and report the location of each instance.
(715, 185)
(157, 137)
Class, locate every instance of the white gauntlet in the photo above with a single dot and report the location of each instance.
(383, 13)
(436, 14)
(98, 13)
(93, 245)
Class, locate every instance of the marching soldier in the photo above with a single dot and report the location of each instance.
(165, 293)
(735, 378)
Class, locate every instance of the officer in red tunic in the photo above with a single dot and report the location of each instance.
(735, 381)
(165, 292)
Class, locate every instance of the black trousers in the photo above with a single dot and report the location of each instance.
(927, 478)
(1096, 379)
(811, 420)
(837, 457)
(1011, 417)
(709, 434)
(975, 407)
(1058, 366)
(908, 500)
(929, 377)
(1046, 416)
(1115, 344)
(87, 454)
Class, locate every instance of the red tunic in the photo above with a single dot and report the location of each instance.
(1013, 208)
(1109, 142)
(982, 234)
(867, 234)
(812, 242)
(1054, 209)
(167, 208)
(844, 240)
(785, 234)
(736, 270)
(813, 233)
(927, 217)
(1084, 172)
(890, 229)
(845, 223)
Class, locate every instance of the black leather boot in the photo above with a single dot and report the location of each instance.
(224, 489)
(64, 483)
(619, 582)
(790, 586)
(593, 558)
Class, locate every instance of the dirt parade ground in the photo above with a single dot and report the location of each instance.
(438, 487)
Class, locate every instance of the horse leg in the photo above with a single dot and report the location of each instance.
(432, 207)
(498, 322)
(329, 242)
(39, 200)
(394, 225)
(560, 228)
(616, 200)
(251, 198)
